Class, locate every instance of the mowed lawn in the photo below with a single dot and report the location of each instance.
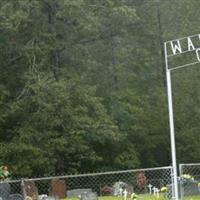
(140, 197)
(147, 197)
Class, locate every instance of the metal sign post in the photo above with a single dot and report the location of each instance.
(172, 133)
(173, 48)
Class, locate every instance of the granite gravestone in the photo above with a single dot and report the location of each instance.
(118, 188)
(89, 196)
(31, 189)
(4, 191)
(15, 197)
(58, 188)
(76, 193)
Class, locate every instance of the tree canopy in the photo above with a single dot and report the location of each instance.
(82, 85)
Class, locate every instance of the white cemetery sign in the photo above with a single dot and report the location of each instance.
(179, 53)
(182, 52)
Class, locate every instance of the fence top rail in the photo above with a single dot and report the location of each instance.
(97, 174)
(189, 164)
(10, 181)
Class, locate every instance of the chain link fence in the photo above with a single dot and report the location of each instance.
(146, 183)
(189, 181)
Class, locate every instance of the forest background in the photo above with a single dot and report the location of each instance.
(83, 86)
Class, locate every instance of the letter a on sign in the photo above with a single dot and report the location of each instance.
(190, 44)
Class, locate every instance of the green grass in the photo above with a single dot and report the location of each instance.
(140, 197)
(193, 198)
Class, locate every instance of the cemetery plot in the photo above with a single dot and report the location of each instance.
(126, 185)
(146, 184)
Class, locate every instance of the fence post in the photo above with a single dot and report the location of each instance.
(23, 188)
(172, 182)
(181, 184)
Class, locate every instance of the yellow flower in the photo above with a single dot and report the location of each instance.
(187, 176)
(28, 198)
(133, 196)
(163, 189)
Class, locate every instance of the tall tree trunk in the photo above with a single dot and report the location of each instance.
(160, 33)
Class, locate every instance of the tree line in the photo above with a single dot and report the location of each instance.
(83, 85)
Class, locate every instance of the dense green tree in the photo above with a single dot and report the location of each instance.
(82, 85)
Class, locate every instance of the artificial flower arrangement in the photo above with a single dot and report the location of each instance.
(163, 189)
(187, 177)
(4, 173)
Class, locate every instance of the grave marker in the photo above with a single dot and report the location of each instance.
(58, 188)
(89, 196)
(4, 191)
(15, 197)
(31, 189)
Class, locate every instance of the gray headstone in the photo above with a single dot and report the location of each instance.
(118, 188)
(42, 197)
(15, 197)
(51, 198)
(77, 192)
(4, 191)
(89, 196)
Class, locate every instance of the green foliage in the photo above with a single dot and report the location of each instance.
(82, 85)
